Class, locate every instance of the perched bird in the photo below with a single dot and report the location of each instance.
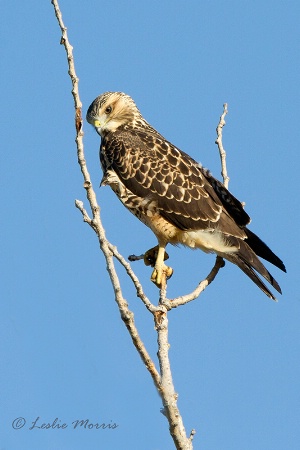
(172, 194)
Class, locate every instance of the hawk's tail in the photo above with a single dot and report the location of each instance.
(249, 263)
(262, 250)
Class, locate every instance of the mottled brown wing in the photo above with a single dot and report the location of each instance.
(232, 205)
(150, 166)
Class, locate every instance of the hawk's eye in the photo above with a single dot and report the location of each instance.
(108, 110)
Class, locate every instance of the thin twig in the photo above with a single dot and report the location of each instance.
(121, 259)
(139, 289)
(182, 300)
(219, 143)
(192, 434)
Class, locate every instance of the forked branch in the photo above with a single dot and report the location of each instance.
(162, 378)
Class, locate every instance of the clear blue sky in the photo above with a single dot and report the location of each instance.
(65, 352)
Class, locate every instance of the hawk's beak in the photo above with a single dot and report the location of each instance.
(98, 126)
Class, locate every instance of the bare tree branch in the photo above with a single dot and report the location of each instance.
(162, 378)
(220, 145)
(179, 301)
(169, 396)
(122, 260)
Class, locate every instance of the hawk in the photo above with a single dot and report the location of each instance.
(171, 193)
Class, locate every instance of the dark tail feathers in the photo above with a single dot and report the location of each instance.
(246, 259)
(248, 270)
(262, 250)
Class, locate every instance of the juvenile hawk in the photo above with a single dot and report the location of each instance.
(171, 193)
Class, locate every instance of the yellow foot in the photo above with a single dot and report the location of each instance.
(160, 276)
(150, 257)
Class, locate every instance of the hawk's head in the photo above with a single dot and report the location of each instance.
(111, 110)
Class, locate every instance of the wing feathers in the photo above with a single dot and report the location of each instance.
(232, 205)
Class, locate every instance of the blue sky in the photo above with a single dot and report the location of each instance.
(65, 352)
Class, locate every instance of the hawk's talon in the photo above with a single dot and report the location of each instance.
(159, 277)
(169, 272)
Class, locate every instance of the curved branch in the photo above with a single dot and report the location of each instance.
(182, 300)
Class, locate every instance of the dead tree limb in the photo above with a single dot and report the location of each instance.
(161, 377)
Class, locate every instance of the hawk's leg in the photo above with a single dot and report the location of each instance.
(161, 272)
(155, 257)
